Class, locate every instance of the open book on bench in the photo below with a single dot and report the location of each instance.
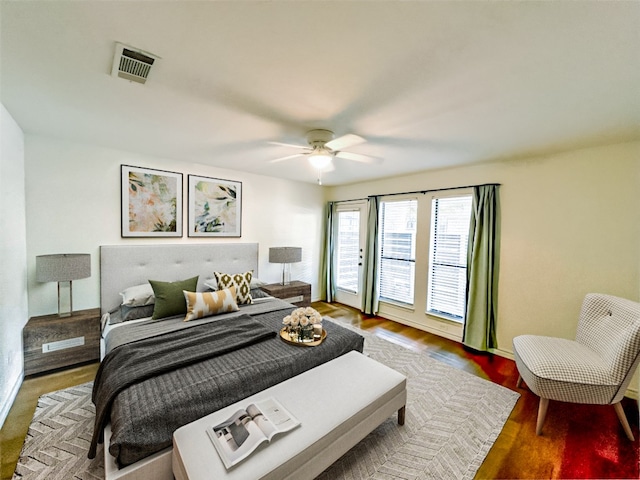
(236, 438)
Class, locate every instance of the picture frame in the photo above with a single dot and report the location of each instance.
(215, 207)
(151, 202)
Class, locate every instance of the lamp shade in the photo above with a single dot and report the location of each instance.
(63, 267)
(285, 254)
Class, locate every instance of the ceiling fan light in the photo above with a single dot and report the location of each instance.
(320, 160)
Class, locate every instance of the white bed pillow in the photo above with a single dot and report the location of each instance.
(138, 296)
(124, 313)
(212, 283)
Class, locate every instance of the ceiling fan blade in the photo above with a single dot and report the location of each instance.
(345, 141)
(357, 157)
(304, 147)
(276, 160)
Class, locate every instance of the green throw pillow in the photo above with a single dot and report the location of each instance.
(169, 297)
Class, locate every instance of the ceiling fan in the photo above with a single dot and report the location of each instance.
(323, 147)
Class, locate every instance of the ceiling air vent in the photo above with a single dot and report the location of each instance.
(131, 63)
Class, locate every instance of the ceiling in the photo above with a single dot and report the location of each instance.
(428, 84)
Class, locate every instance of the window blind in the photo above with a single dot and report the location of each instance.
(397, 250)
(450, 217)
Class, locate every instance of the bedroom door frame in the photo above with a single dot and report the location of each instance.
(348, 290)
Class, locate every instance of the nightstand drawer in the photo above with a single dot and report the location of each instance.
(298, 293)
(51, 342)
(298, 299)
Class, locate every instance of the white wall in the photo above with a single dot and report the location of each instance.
(13, 259)
(73, 206)
(570, 225)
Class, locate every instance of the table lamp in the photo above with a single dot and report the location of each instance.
(286, 256)
(62, 268)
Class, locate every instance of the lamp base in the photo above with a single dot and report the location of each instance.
(65, 299)
(286, 274)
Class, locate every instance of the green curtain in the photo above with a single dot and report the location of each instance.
(482, 270)
(370, 283)
(327, 260)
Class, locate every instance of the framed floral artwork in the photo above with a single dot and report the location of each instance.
(151, 202)
(215, 207)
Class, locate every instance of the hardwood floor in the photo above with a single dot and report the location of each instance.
(517, 453)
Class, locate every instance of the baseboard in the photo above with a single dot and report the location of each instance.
(424, 328)
(6, 406)
(502, 353)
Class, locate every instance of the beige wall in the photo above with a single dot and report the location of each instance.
(73, 205)
(570, 225)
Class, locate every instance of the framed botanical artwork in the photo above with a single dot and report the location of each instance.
(151, 202)
(215, 207)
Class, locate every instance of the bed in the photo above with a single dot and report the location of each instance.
(186, 370)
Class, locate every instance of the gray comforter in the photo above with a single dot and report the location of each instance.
(145, 414)
(137, 361)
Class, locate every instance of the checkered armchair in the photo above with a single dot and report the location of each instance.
(595, 368)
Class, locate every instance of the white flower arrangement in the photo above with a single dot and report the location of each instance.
(302, 323)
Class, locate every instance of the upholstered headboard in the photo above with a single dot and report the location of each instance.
(123, 266)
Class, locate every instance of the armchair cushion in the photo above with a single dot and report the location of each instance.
(564, 370)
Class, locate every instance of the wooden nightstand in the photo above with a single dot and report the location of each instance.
(298, 293)
(51, 342)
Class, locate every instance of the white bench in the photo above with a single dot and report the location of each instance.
(338, 404)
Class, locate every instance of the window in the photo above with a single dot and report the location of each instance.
(450, 217)
(348, 248)
(397, 250)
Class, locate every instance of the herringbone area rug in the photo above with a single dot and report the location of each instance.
(452, 420)
(58, 439)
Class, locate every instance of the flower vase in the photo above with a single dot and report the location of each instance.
(294, 334)
(306, 333)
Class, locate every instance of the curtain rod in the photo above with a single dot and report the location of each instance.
(417, 191)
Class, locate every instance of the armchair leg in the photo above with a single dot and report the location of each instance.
(542, 413)
(623, 420)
